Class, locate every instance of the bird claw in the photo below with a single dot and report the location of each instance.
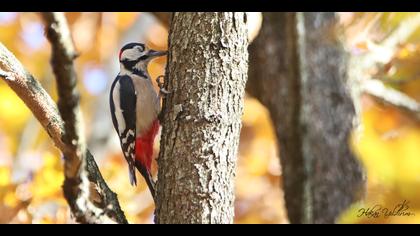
(160, 84)
(159, 81)
(164, 91)
(153, 185)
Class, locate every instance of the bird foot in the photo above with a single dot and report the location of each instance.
(160, 83)
(162, 93)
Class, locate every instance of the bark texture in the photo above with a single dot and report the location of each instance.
(206, 75)
(298, 69)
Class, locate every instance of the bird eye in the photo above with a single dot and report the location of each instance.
(140, 48)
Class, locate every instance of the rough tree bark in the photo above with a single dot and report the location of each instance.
(206, 75)
(89, 197)
(298, 70)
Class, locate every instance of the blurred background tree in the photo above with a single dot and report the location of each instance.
(386, 141)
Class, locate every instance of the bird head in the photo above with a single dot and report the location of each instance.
(134, 57)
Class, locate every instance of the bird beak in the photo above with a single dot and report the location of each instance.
(153, 53)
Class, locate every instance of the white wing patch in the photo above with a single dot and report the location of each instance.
(118, 111)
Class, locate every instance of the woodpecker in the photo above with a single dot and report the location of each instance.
(135, 106)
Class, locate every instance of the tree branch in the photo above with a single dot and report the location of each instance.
(89, 197)
(391, 96)
(32, 94)
(358, 65)
(298, 70)
(83, 193)
(63, 54)
(390, 44)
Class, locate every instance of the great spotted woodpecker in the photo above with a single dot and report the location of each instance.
(135, 106)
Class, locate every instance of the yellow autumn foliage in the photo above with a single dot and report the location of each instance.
(387, 141)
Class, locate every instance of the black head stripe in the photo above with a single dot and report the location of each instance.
(132, 45)
(144, 57)
(131, 66)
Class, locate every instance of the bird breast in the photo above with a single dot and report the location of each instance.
(148, 105)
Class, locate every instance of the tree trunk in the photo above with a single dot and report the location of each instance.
(206, 75)
(298, 69)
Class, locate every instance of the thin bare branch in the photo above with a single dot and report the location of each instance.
(392, 97)
(44, 109)
(404, 30)
(361, 82)
(390, 44)
(93, 201)
(87, 202)
(63, 53)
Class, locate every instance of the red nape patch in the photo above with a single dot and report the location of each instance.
(144, 146)
(119, 55)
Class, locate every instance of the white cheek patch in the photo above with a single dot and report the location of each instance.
(131, 54)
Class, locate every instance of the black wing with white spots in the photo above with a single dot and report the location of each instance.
(123, 111)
